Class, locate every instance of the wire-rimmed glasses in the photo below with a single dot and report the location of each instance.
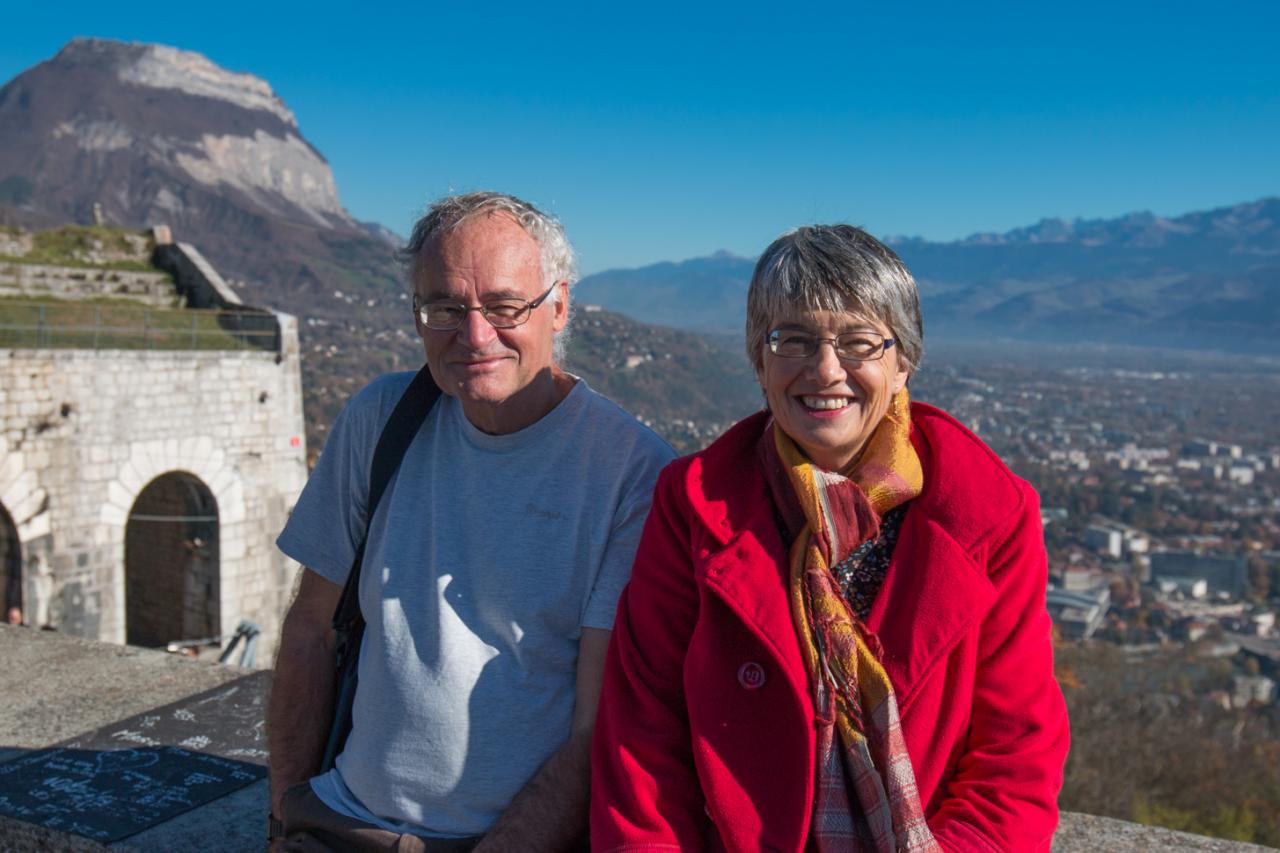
(504, 312)
(850, 346)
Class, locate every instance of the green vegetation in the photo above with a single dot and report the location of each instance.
(96, 246)
(1153, 742)
(112, 324)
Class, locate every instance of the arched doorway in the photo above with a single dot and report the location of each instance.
(10, 569)
(171, 562)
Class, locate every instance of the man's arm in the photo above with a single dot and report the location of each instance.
(301, 709)
(550, 812)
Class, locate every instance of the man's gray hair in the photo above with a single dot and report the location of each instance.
(450, 212)
(835, 268)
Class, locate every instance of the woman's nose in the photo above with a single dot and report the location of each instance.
(826, 364)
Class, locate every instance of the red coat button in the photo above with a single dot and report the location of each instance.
(751, 675)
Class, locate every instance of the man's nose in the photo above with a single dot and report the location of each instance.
(475, 330)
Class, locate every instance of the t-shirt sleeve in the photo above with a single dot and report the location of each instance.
(620, 553)
(329, 522)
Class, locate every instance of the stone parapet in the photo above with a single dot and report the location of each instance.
(40, 281)
(71, 686)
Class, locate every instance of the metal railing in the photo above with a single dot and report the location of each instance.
(98, 326)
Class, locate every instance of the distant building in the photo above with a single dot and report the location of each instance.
(1104, 540)
(1115, 540)
(1193, 588)
(1190, 629)
(1257, 624)
(1200, 447)
(1241, 475)
(1050, 514)
(1221, 573)
(1078, 615)
(1076, 579)
(1252, 689)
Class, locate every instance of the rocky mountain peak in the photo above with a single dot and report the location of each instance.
(157, 134)
(163, 67)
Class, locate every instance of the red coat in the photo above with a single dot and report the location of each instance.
(705, 735)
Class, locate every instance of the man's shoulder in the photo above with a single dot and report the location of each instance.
(382, 394)
(369, 409)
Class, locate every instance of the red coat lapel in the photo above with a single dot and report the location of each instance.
(750, 575)
(932, 593)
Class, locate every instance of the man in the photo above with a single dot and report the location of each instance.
(492, 569)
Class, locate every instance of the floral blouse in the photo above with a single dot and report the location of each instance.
(861, 574)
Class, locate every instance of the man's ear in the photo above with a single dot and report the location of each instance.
(561, 307)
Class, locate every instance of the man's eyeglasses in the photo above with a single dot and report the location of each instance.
(851, 346)
(504, 313)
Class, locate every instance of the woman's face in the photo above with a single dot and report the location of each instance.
(830, 407)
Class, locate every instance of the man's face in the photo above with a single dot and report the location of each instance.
(502, 377)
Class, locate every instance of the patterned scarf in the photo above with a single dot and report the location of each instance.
(866, 797)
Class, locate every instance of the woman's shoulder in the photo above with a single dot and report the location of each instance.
(967, 486)
(721, 483)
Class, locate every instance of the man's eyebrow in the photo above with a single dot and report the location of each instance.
(500, 293)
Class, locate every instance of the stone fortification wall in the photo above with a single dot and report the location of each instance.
(36, 280)
(84, 433)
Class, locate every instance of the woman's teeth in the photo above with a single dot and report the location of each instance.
(825, 402)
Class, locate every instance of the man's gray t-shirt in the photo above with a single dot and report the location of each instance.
(486, 557)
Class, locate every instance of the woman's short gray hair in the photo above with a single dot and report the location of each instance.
(450, 212)
(834, 268)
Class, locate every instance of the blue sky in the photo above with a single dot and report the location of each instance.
(663, 131)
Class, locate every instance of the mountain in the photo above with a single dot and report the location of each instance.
(139, 134)
(1206, 280)
(152, 133)
(689, 387)
(700, 294)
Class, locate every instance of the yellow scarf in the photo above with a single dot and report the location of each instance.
(866, 797)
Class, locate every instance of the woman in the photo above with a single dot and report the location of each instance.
(835, 635)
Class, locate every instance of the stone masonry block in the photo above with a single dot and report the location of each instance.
(113, 517)
(118, 495)
(34, 527)
(27, 507)
(231, 503)
(131, 478)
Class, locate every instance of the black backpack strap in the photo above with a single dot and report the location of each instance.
(398, 433)
(348, 622)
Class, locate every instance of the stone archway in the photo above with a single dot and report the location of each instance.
(10, 569)
(172, 562)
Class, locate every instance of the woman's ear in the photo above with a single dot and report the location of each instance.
(900, 379)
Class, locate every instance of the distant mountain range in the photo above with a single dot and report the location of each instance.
(138, 134)
(1206, 280)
